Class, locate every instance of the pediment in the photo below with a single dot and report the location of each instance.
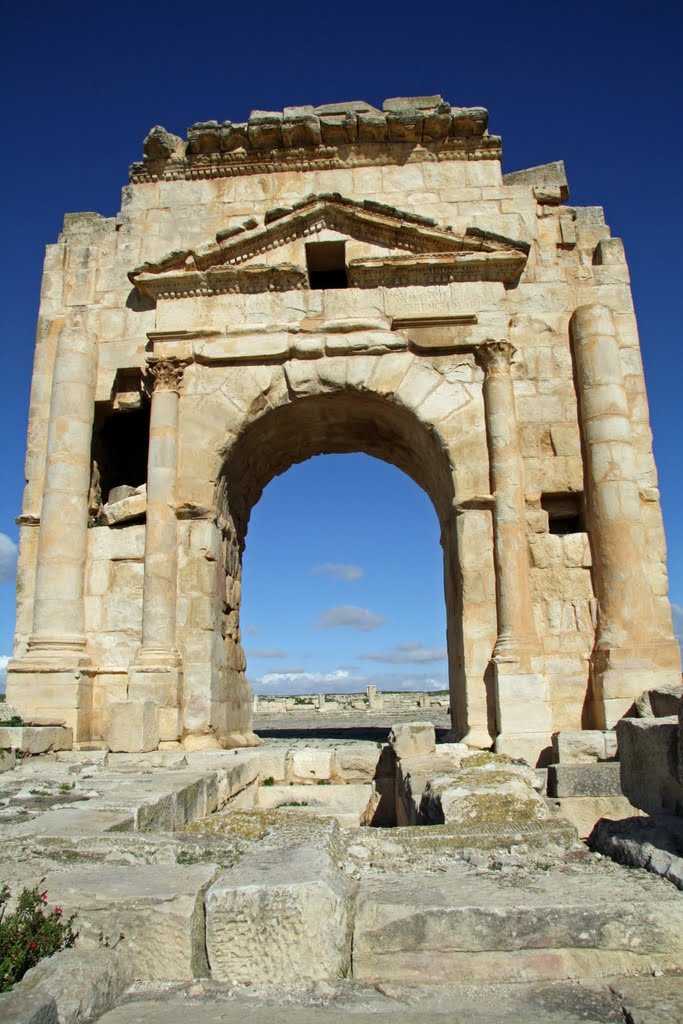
(403, 249)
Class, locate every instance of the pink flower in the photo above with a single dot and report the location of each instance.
(43, 896)
(33, 945)
(57, 911)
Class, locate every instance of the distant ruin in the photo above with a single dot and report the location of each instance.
(338, 279)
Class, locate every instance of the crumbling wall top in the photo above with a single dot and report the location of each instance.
(332, 135)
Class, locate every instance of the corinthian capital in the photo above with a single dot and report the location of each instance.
(495, 356)
(164, 375)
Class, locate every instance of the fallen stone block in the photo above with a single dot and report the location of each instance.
(413, 739)
(490, 793)
(585, 811)
(80, 986)
(125, 510)
(279, 918)
(583, 746)
(38, 739)
(584, 779)
(153, 915)
(648, 752)
(660, 702)
(653, 843)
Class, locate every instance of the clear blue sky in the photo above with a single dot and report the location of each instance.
(599, 85)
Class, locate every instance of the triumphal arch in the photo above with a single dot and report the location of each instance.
(334, 279)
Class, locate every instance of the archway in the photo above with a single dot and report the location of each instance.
(348, 420)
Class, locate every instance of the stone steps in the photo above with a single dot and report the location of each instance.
(561, 923)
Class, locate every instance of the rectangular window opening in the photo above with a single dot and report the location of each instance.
(565, 512)
(326, 264)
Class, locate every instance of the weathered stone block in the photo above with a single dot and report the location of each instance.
(584, 779)
(413, 739)
(133, 726)
(35, 739)
(279, 918)
(648, 754)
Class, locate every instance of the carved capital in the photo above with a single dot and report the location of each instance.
(164, 375)
(495, 356)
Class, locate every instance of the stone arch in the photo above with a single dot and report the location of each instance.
(394, 406)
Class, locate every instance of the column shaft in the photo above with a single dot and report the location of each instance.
(630, 654)
(522, 709)
(58, 611)
(513, 595)
(156, 676)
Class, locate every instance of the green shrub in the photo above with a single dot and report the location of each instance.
(270, 781)
(30, 933)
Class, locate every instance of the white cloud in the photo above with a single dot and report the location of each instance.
(343, 680)
(350, 616)
(339, 571)
(408, 654)
(677, 612)
(4, 661)
(250, 630)
(338, 681)
(8, 558)
(266, 652)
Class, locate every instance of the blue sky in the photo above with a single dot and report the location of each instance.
(599, 85)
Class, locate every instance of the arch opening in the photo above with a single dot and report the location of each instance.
(339, 423)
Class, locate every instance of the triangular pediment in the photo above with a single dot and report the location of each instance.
(403, 248)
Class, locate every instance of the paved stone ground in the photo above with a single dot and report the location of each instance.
(360, 725)
(620, 1001)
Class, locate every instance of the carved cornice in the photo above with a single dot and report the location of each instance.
(495, 356)
(320, 138)
(433, 254)
(164, 375)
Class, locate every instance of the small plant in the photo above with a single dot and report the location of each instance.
(66, 787)
(295, 803)
(29, 934)
(270, 781)
(323, 782)
(10, 723)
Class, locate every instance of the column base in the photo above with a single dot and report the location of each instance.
(157, 676)
(523, 713)
(133, 727)
(620, 674)
(50, 693)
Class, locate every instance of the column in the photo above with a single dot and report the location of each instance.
(630, 655)
(48, 683)
(523, 716)
(156, 675)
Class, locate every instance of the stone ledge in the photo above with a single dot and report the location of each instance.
(38, 739)
(566, 780)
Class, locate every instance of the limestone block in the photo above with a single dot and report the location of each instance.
(583, 746)
(413, 739)
(35, 739)
(309, 764)
(133, 726)
(564, 925)
(357, 762)
(158, 908)
(660, 702)
(279, 918)
(648, 753)
(584, 779)
(122, 511)
(585, 811)
(486, 796)
(81, 986)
